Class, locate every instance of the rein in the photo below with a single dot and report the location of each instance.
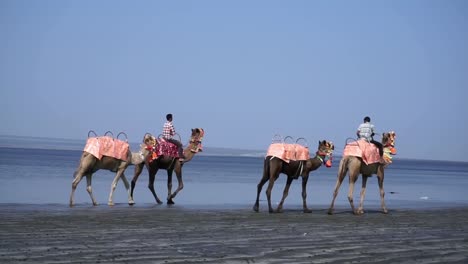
(320, 155)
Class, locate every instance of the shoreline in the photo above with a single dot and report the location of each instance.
(122, 234)
(373, 205)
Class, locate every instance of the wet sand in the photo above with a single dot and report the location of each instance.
(161, 234)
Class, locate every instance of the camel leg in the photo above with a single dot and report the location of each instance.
(274, 174)
(127, 187)
(113, 186)
(352, 181)
(262, 182)
(380, 177)
(304, 195)
(169, 187)
(363, 194)
(285, 194)
(152, 177)
(341, 175)
(76, 180)
(89, 188)
(138, 170)
(180, 184)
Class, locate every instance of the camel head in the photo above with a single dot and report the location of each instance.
(140, 156)
(196, 140)
(325, 152)
(388, 142)
(149, 141)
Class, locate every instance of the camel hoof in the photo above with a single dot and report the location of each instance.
(170, 201)
(359, 212)
(255, 208)
(385, 211)
(95, 204)
(330, 212)
(110, 204)
(307, 211)
(72, 205)
(159, 202)
(131, 202)
(279, 211)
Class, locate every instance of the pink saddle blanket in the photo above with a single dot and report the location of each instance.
(165, 148)
(288, 152)
(367, 151)
(107, 146)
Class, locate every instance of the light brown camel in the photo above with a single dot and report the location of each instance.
(274, 166)
(169, 164)
(356, 166)
(89, 164)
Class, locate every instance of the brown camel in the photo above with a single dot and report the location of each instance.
(356, 166)
(89, 164)
(169, 164)
(274, 166)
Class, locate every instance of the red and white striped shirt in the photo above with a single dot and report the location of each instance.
(168, 130)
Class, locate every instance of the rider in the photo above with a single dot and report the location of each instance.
(168, 134)
(366, 131)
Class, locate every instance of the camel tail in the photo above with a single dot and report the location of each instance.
(343, 167)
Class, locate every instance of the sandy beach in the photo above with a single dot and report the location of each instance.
(161, 234)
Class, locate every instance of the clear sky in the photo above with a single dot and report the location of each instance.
(242, 70)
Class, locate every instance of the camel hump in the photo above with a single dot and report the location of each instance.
(363, 149)
(288, 151)
(165, 148)
(107, 146)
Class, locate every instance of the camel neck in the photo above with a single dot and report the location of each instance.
(188, 154)
(316, 162)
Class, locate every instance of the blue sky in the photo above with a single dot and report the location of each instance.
(242, 70)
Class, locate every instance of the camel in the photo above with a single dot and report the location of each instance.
(170, 164)
(273, 166)
(89, 164)
(355, 166)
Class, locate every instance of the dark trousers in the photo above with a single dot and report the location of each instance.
(179, 146)
(378, 145)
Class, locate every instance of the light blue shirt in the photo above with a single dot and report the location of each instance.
(365, 131)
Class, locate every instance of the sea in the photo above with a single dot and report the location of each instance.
(39, 171)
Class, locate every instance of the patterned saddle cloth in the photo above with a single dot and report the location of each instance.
(164, 148)
(288, 152)
(363, 149)
(107, 146)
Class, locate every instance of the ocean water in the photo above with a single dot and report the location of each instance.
(40, 171)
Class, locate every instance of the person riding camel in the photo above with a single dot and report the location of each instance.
(366, 131)
(168, 134)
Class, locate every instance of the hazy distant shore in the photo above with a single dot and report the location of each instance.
(161, 234)
(7, 141)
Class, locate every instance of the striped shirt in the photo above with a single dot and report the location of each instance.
(168, 130)
(366, 130)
